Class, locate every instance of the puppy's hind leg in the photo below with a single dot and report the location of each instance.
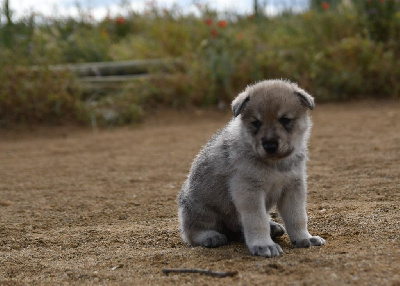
(277, 230)
(209, 238)
(199, 227)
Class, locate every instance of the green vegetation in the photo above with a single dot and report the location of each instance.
(337, 51)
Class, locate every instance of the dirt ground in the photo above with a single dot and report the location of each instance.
(85, 207)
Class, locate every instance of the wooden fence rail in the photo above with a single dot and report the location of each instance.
(112, 75)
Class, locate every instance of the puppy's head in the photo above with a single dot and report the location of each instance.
(274, 115)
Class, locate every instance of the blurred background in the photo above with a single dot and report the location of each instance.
(107, 62)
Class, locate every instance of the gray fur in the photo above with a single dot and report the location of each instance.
(256, 161)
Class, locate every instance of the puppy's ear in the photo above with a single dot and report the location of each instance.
(305, 98)
(239, 102)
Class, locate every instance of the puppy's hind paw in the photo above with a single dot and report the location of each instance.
(267, 251)
(214, 240)
(312, 241)
(277, 230)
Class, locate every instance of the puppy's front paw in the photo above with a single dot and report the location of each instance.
(267, 251)
(312, 241)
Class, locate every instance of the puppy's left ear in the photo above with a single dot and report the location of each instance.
(239, 102)
(305, 98)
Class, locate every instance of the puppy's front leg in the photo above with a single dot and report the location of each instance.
(292, 207)
(255, 222)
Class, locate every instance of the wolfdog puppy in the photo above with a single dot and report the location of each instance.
(257, 161)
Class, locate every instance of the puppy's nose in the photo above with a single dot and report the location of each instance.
(270, 146)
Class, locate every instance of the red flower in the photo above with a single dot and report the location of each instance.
(325, 5)
(120, 20)
(208, 22)
(214, 33)
(222, 24)
(240, 37)
(382, 1)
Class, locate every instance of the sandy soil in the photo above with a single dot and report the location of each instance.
(84, 207)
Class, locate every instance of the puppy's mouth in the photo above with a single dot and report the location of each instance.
(278, 156)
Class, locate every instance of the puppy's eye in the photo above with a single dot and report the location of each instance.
(256, 123)
(285, 121)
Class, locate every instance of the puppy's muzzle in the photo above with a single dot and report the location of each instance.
(270, 146)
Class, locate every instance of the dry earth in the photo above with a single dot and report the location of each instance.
(84, 207)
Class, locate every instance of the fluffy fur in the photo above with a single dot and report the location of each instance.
(257, 161)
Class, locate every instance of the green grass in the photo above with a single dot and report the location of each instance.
(340, 53)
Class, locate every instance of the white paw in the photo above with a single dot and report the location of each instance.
(271, 250)
(312, 241)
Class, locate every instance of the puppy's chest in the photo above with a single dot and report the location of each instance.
(273, 185)
(274, 181)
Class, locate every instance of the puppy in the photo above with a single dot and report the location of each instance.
(256, 161)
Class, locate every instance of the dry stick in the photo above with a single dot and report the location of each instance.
(201, 271)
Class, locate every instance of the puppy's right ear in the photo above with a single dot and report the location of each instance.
(305, 98)
(239, 102)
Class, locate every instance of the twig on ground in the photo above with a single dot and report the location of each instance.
(166, 271)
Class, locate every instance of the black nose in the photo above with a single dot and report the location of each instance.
(270, 146)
